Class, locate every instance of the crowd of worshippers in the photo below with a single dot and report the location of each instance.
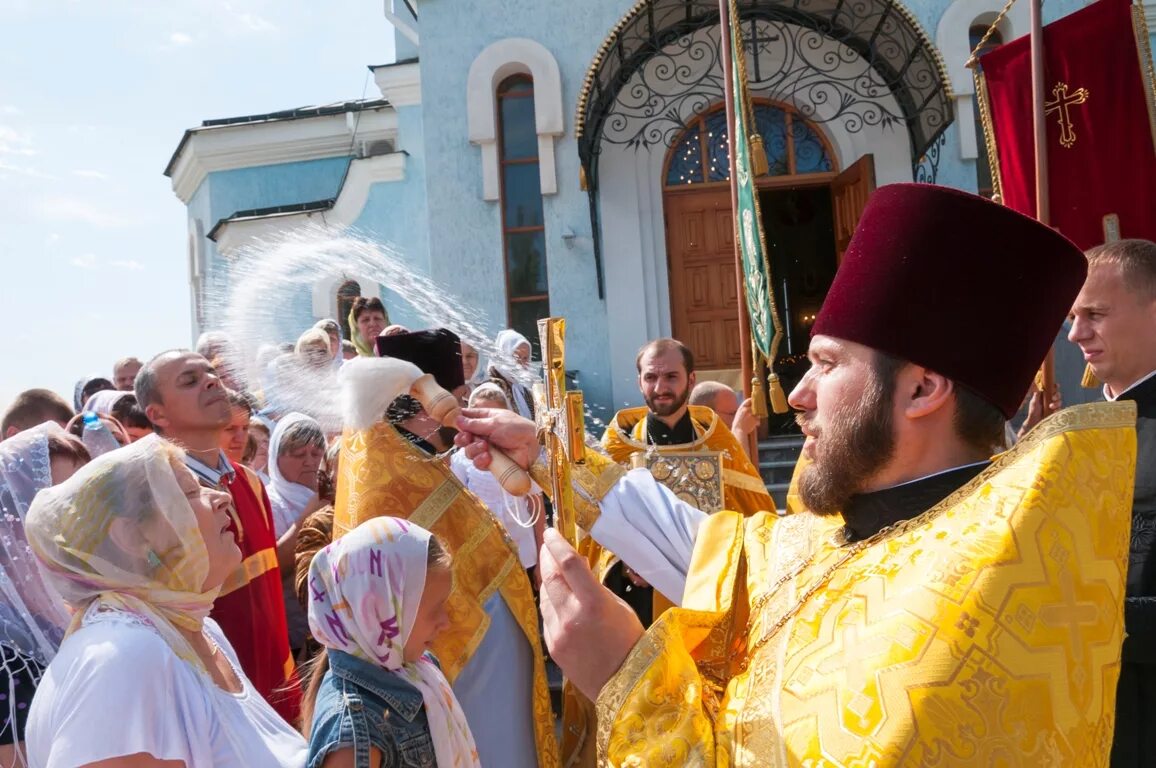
(177, 534)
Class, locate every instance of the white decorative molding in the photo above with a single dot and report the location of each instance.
(247, 145)
(196, 273)
(404, 23)
(351, 199)
(324, 294)
(951, 35)
(400, 83)
(514, 56)
(953, 41)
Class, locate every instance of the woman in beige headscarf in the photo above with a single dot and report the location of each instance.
(139, 551)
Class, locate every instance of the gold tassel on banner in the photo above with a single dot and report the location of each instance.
(758, 398)
(758, 155)
(1089, 381)
(778, 396)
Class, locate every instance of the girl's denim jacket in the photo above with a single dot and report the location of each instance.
(359, 706)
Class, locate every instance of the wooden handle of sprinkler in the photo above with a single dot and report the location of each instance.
(443, 408)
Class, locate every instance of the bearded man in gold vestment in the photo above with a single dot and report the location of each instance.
(931, 605)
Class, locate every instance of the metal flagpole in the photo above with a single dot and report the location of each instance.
(1043, 208)
(724, 14)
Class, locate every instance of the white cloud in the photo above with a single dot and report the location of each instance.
(22, 170)
(255, 23)
(13, 142)
(83, 261)
(85, 173)
(247, 21)
(11, 109)
(180, 38)
(62, 208)
(52, 239)
(127, 264)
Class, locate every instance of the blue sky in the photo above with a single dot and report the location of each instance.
(94, 98)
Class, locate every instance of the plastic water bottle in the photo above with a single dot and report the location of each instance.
(97, 439)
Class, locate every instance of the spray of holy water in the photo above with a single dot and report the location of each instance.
(262, 312)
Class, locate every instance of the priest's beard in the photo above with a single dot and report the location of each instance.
(857, 441)
(666, 409)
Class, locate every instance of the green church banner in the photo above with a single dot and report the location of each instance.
(766, 329)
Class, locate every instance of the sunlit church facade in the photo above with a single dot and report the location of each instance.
(549, 158)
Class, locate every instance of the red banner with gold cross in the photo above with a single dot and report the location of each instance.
(1100, 116)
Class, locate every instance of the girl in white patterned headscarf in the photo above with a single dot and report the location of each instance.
(32, 615)
(378, 595)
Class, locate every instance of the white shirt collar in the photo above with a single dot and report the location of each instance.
(1138, 382)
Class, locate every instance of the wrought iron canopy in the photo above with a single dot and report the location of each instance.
(656, 64)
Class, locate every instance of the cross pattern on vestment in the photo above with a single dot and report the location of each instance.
(560, 417)
(1070, 614)
(1060, 104)
(850, 658)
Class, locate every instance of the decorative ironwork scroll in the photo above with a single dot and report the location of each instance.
(835, 60)
(927, 169)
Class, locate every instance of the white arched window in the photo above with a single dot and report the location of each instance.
(955, 38)
(493, 66)
(331, 294)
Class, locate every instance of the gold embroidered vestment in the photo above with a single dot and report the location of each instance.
(984, 632)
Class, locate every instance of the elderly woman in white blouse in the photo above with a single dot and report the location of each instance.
(144, 678)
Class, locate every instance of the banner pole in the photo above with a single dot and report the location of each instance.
(1043, 202)
(725, 21)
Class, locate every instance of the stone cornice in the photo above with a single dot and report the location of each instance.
(247, 145)
(400, 83)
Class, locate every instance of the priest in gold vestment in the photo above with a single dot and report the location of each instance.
(491, 653)
(932, 605)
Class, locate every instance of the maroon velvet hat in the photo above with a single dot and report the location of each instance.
(955, 283)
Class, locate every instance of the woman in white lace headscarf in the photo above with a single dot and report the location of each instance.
(509, 369)
(32, 615)
(139, 550)
(296, 451)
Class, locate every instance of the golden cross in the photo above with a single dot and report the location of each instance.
(1059, 104)
(1071, 614)
(560, 417)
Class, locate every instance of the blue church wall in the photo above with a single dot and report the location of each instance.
(436, 219)
(268, 185)
(395, 215)
(465, 230)
(223, 193)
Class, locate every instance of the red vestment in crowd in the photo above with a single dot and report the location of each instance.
(251, 607)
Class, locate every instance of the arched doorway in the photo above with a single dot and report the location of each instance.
(808, 210)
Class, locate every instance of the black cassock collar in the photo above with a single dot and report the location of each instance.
(869, 513)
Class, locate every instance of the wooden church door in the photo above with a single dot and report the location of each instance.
(849, 193)
(703, 293)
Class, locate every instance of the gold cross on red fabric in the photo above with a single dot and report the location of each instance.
(1060, 104)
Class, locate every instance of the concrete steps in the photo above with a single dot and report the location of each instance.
(777, 457)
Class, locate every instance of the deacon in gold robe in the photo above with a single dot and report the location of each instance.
(668, 424)
(491, 653)
(931, 605)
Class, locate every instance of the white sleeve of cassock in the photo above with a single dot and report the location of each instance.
(650, 529)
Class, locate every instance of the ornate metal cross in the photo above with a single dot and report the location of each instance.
(1060, 103)
(560, 416)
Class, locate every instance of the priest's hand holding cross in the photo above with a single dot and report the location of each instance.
(589, 630)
